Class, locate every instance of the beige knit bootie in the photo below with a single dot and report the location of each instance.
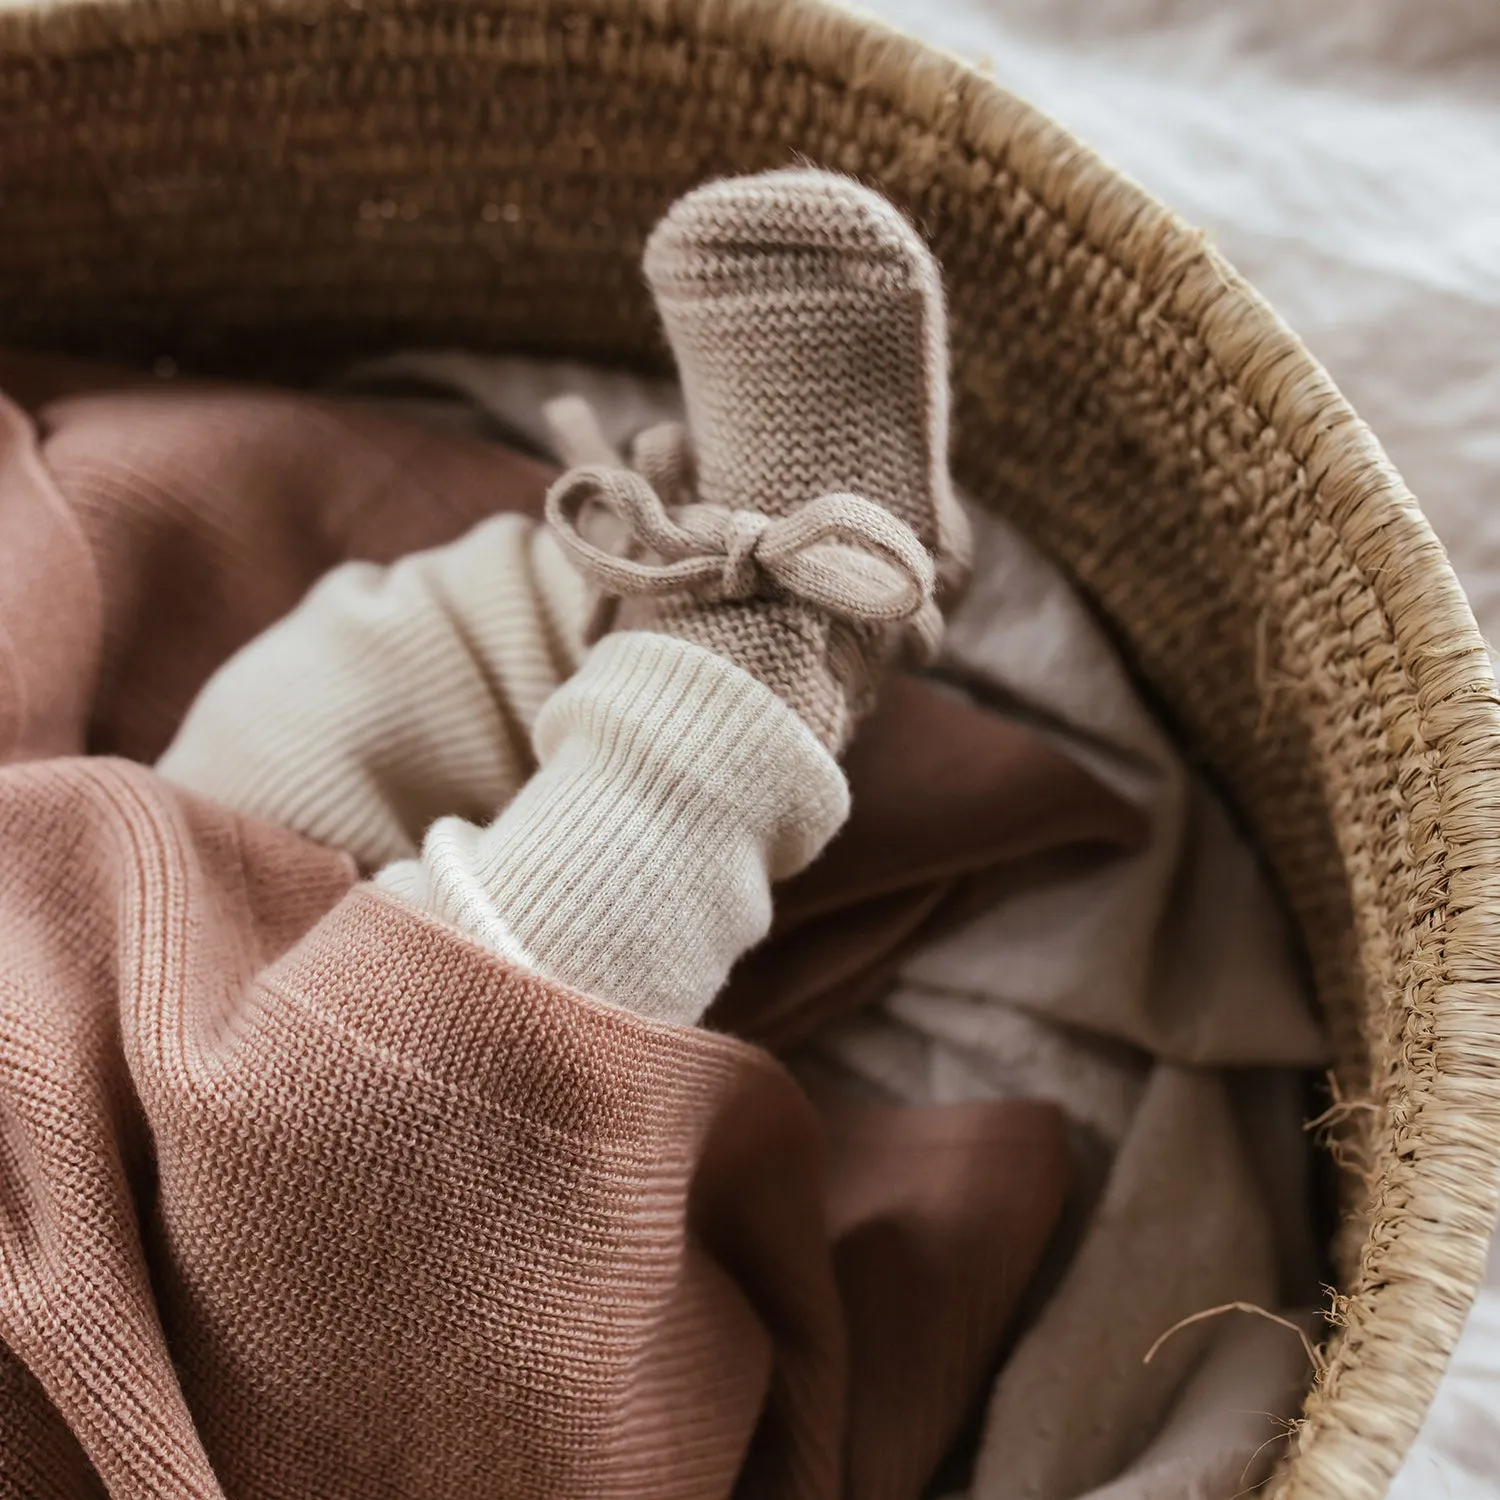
(805, 526)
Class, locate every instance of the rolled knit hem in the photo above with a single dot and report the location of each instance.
(713, 722)
(636, 865)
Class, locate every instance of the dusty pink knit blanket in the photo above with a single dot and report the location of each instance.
(302, 1194)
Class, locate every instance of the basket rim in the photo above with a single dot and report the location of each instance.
(1422, 1262)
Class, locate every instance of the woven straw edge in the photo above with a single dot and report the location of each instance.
(1349, 1447)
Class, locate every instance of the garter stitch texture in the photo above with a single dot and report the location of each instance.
(806, 318)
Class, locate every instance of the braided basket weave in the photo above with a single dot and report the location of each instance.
(254, 186)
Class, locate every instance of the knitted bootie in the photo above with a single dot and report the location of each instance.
(807, 526)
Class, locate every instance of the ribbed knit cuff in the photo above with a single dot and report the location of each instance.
(637, 864)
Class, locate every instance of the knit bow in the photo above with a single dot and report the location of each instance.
(838, 552)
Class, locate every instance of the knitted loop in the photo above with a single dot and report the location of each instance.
(839, 552)
(742, 539)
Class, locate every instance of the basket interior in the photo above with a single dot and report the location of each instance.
(272, 189)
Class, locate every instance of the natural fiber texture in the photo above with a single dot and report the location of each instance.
(828, 553)
(420, 174)
(812, 603)
(806, 322)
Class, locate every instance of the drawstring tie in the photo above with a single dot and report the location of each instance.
(838, 552)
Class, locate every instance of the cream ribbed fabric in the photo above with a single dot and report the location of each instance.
(637, 863)
(392, 696)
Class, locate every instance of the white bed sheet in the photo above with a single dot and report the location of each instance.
(1345, 155)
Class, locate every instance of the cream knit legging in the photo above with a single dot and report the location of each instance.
(611, 818)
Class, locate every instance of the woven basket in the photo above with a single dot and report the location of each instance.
(248, 186)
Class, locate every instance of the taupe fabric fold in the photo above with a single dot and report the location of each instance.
(1064, 984)
(953, 806)
(938, 1217)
